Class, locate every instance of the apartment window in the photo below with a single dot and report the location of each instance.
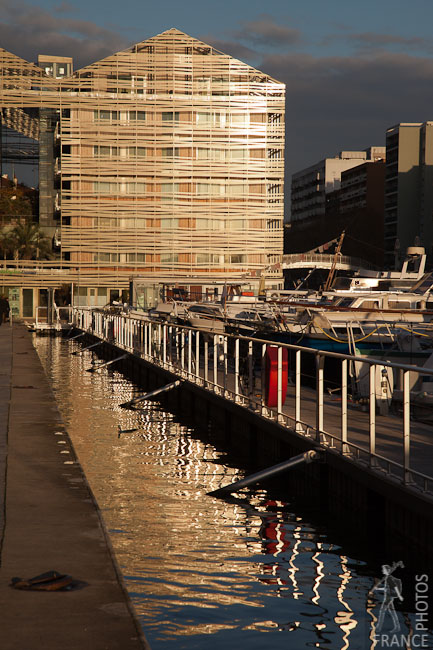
(137, 115)
(236, 224)
(238, 154)
(169, 222)
(207, 258)
(105, 115)
(170, 152)
(139, 152)
(208, 189)
(105, 150)
(210, 154)
(214, 119)
(104, 187)
(240, 118)
(169, 258)
(136, 257)
(170, 116)
(235, 259)
(237, 190)
(168, 190)
(136, 187)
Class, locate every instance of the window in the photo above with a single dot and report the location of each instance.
(136, 257)
(137, 115)
(170, 152)
(235, 259)
(210, 154)
(104, 187)
(238, 154)
(240, 118)
(237, 190)
(104, 114)
(210, 189)
(105, 150)
(170, 116)
(169, 258)
(214, 119)
(136, 187)
(236, 224)
(139, 152)
(169, 222)
(168, 190)
(207, 258)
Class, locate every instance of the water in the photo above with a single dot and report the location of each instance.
(253, 572)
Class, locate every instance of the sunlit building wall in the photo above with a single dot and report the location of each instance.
(168, 158)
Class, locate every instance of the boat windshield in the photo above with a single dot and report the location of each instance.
(423, 285)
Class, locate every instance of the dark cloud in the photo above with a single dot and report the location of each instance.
(347, 103)
(233, 48)
(372, 40)
(28, 31)
(266, 32)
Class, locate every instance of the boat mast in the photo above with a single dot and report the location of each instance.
(334, 263)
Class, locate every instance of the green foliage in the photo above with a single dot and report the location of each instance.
(14, 202)
(24, 241)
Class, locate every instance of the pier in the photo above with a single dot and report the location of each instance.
(50, 521)
(375, 463)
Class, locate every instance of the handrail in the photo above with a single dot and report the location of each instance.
(214, 362)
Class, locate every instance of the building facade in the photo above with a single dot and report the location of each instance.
(311, 185)
(408, 190)
(166, 159)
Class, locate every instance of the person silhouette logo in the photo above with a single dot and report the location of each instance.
(392, 589)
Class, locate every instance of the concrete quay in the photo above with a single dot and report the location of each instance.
(49, 520)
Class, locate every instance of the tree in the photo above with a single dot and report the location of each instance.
(6, 243)
(14, 202)
(25, 241)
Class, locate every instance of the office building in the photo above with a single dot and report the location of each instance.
(165, 159)
(408, 190)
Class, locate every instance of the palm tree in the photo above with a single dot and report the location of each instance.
(25, 241)
(6, 243)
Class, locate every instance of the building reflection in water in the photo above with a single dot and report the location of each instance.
(230, 570)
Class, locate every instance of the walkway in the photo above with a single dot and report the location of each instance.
(52, 523)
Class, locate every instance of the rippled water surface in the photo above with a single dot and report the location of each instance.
(206, 573)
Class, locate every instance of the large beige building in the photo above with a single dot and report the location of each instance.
(164, 159)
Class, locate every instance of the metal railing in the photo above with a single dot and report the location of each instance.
(367, 422)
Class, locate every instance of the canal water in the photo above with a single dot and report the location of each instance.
(258, 571)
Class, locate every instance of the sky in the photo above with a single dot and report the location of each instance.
(352, 69)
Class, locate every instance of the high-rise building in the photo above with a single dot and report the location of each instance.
(408, 189)
(311, 185)
(166, 158)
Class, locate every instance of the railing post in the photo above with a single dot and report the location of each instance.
(263, 381)
(206, 360)
(372, 424)
(280, 384)
(145, 341)
(189, 334)
(182, 349)
(319, 395)
(237, 370)
(298, 425)
(164, 344)
(250, 369)
(197, 354)
(215, 361)
(225, 366)
(406, 426)
(344, 448)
